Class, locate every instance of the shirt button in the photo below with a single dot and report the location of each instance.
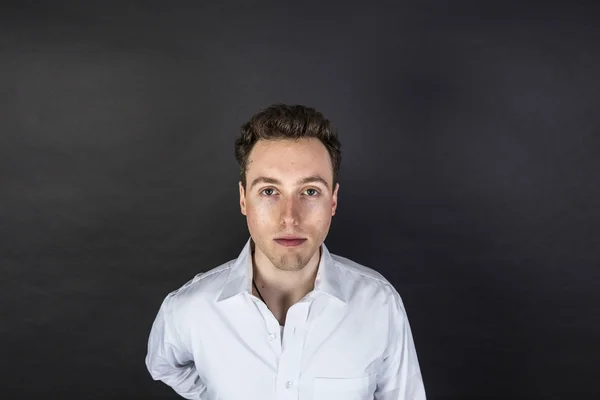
(289, 384)
(271, 337)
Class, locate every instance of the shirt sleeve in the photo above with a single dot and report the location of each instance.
(168, 360)
(400, 375)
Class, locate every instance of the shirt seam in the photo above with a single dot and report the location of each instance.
(363, 274)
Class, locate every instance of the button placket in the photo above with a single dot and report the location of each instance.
(291, 356)
(271, 325)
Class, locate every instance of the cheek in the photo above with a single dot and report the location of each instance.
(259, 214)
(264, 214)
(320, 214)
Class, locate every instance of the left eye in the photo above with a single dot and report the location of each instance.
(309, 191)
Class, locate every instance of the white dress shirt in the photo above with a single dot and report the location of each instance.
(347, 339)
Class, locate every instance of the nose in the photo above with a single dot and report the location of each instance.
(290, 213)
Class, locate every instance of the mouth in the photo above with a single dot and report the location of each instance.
(290, 241)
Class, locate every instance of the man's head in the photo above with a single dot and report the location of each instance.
(289, 159)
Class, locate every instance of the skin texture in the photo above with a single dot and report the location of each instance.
(273, 210)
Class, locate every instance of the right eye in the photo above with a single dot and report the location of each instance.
(267, 190)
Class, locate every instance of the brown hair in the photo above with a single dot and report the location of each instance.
(281, 121)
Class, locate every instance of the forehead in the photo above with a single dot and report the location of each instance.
(289, 157)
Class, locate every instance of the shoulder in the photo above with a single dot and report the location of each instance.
(203, 287)
(355, 270)
(366, 280)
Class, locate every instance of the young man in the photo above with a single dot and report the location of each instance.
(286, 319)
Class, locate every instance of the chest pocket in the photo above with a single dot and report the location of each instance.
(361, 388)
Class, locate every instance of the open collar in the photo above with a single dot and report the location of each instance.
(239, 279)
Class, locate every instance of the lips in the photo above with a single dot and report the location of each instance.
(290, 242)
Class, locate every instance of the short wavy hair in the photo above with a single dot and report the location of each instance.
(282, 121)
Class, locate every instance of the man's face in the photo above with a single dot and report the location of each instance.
(285, 197)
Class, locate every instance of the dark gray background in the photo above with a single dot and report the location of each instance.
(470, 134)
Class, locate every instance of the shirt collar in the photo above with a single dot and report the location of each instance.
(239, 279)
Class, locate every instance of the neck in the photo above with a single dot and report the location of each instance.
(285, 287)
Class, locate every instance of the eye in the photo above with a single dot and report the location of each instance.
(264, 191)
(314, 192)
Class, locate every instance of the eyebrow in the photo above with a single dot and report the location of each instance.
(303, 181)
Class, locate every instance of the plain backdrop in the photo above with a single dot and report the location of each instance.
(470, 134)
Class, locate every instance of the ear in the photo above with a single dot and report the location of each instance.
(242, 198)
(335, 199)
